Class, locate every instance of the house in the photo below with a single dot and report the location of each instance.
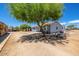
(53, 27)
(35, 29)
(56, 27)
(3, 28)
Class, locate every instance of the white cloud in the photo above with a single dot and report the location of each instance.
(70, 22)
(63, 23)
(74, 21)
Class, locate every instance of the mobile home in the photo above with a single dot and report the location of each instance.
(53, 27)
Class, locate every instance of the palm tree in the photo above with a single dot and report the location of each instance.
(36, 12)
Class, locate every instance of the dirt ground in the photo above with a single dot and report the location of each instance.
(68, 47)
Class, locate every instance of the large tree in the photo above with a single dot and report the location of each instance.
(37, 12)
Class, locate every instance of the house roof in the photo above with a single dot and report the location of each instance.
(46, 24)
(35, 27)
(1, 22)
(52, 23)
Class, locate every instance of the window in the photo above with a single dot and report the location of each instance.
(62, 27)
(56, 28)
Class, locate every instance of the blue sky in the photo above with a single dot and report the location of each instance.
(70, 15)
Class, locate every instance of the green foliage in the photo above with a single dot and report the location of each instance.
(71, 26)
(36, 12)
(24, 27)
(17, 28)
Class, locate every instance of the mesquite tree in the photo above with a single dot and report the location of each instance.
(36, 12)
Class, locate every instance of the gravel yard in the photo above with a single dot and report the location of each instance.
(16, 47)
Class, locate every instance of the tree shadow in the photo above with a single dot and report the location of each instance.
(39, 38)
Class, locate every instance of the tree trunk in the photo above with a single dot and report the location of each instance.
(43, 32)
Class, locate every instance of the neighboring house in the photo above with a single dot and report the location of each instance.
(3, 28)
(35, 29)
(51, 27)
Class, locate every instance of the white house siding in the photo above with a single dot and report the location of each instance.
(35, 29)
(53, 27)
